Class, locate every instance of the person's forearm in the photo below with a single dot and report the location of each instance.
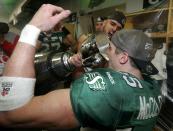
(21, 63)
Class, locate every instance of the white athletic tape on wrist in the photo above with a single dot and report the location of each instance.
(15, 92)
(29, 35)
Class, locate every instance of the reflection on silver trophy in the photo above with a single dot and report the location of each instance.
(93, 50)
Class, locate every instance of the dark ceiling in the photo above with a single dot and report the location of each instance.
(29, 8)
(33, 5)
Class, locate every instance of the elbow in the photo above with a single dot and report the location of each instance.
(6, 120)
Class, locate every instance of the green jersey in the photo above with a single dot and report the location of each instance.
(110, 100)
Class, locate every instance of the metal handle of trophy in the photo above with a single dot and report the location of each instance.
(96, 60)
(60, 61)
(93, 50)
(89, 47)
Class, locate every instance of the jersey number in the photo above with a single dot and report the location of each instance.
(133, 82)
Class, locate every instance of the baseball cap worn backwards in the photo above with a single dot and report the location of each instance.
(138, 46)
(119, 17)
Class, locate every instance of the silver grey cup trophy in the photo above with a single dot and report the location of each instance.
(55, 64)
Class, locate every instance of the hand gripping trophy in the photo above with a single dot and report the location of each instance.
(56, 64)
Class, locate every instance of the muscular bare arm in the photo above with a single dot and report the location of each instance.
(50, 111)
(53, 109)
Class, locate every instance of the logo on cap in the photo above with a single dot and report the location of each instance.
(148, 46)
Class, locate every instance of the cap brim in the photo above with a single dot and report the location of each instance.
(146, 67)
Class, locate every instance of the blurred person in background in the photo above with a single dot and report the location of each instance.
(8, 41)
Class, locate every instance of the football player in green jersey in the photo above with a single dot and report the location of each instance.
(117, 97)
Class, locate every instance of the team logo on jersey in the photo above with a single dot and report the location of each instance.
(95, 81)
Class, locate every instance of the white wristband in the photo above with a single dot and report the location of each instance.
(15, 92)
(29, 35)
